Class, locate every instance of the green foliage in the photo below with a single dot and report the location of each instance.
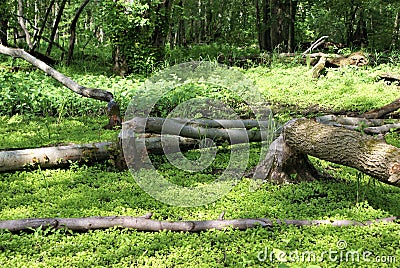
(33, 92)
(82, 191)
(27, 131)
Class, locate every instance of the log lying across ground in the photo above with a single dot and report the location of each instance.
(329, 138)
(302, 137)
(48, 157)
(95, 93)
(146, 224)
(188, 139)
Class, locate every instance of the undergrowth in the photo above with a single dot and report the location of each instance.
(35, 111)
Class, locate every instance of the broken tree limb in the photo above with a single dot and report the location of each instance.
(368, 126)
(389, 108)
(147, 224)
(318, 68)
(371, 155)
(314, 45)
(389, 77)
(94, 93)
(382, 111)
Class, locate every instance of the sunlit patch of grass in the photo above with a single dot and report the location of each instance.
(33, 131)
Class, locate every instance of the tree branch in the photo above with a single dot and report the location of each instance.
(94, 93)
(146, 224)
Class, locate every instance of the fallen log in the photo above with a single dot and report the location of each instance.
(235, 131)
(287, 160)
(146, 224)
(49, 157)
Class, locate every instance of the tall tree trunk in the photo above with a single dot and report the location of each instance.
(21, 22)
(39, 33)
(3, 31)
(291, 25)
(258, 24)
(395, 36)
(266, 26)
(72, 31)
(161, 28)
(55, 27)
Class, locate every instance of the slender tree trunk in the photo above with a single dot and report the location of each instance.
(39, 33)
(3, 31)
(291, 25)
(21, 22)
(55, 27)
(258, 24)
(395, 37)
(72, 31)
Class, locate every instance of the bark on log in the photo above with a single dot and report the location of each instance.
(48, 157)
(147, 224)
(235, 131)
(371, 155)
(94, 93)
(318, 68)
(368, 126)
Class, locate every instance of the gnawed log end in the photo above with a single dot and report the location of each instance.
(285, 165)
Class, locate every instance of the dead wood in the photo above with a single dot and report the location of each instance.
(146, 224)
(316, 44)
(94, 93)
(389, 77)
(234, 131)
(49, 157)
(371, 155)
(368, 126)
(318, 69)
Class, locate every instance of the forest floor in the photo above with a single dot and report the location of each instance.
(35, 111)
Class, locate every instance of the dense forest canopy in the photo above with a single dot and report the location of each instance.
(137, 33)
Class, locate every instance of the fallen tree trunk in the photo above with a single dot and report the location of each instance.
(94, 93)
(48, 157)
(235, 131)
(301, 137)
(146, 224)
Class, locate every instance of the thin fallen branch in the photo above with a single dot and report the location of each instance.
(95, 93)
(382, 111)
(368, 126)
(146, 224)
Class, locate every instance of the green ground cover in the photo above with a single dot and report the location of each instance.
(35, 111)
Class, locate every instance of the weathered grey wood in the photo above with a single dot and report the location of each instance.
(147, 224)
(95, 93)
(48, 157)
(235, 135)
(368, 126)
